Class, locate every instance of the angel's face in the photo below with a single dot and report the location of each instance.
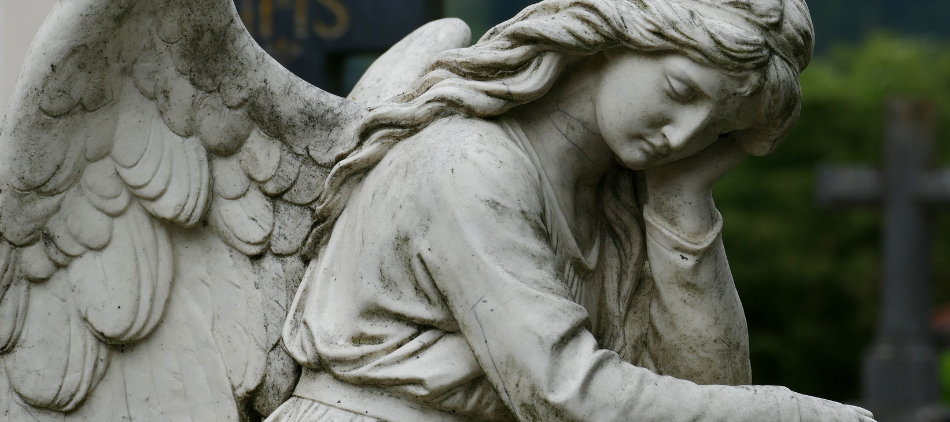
(657, 108)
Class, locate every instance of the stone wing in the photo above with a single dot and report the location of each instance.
(158, 172)
(158, 175)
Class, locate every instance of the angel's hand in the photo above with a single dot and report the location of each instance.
(814, 409)
(697, 172)
(680, 192)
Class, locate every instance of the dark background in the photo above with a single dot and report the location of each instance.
(852, 20)
(836, 21)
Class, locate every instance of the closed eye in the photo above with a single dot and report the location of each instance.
(681, 91)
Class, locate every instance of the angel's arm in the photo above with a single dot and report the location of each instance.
(698, 330)
(486, 250)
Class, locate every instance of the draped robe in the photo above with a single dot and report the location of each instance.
(452, 288)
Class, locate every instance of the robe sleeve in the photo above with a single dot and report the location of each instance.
(486, 250)
(698, 328)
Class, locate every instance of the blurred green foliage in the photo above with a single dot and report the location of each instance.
(850, 21)
(809, 277)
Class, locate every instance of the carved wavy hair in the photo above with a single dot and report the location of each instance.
(519, 60)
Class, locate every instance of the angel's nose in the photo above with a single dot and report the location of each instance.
(688, 124)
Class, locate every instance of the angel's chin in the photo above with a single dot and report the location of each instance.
(637, 162)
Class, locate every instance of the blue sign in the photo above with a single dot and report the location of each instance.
(313, 38)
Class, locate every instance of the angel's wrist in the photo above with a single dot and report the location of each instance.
(673, 235)
(690, 212)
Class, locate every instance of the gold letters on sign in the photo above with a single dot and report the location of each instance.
(304, 22)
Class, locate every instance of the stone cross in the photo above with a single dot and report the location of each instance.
(900, 368)
(313, 38)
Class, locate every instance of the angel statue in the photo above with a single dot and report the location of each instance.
(521, 229)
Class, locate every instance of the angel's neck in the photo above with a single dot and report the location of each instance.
(562, 129)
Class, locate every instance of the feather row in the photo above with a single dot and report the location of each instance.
(170, 173)
(245, 223)
(80, 78)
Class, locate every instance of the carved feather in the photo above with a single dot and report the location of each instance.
(71, 165)
(282, 372)
(290, 228)
(261, 156)
(223, 280)
(61, 247)
(178, 374)
(309, 185)
(230, 182)
(14, 293)
(222, 130)
(244, 223)
(90, 227)
(135, 272)
(81, 78)
(56, 361)
(7, 265)
(98, 133)
(35, 264)
(34, 160)
(103, 188)
(23, 215)
(287, 171)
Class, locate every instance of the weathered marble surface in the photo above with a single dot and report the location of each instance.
(521, 230)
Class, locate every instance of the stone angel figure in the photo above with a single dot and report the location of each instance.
(522, 229)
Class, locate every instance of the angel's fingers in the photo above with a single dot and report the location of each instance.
(724, 155)
(864, 412)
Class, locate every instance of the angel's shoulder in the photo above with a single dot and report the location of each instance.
(459, 159)
(465, 146)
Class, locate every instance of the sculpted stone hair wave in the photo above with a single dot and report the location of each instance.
(519, 60)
